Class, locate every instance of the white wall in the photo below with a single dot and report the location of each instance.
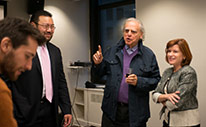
(169, 19)
(71, 18)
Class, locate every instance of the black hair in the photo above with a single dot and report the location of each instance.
(36, 15)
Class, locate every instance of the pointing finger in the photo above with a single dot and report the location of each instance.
(99, 53)
(99, 49)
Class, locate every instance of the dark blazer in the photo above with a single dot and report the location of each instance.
(144, 65)
(27, 91)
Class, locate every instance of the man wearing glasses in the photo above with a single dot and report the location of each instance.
(38, 93)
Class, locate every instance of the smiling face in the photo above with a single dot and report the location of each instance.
(46, 27)
(132, 33)
(175, 56)
(18, 60)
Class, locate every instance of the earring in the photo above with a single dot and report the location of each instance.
(184, 59)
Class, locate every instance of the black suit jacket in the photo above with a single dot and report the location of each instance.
(27, 91)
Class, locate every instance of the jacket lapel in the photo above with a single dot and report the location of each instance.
(37, 63)
(52, 60)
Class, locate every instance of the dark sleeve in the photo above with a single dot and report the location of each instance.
(64, 98)
(148, 83)
(20, 104)
(99, 70)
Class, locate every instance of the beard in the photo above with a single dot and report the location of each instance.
(46, 36)
(8, 66)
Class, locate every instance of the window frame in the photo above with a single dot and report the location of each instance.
(4, 4)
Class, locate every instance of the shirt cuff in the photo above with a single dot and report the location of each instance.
(155, 97)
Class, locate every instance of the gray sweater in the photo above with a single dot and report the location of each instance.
(185, 81)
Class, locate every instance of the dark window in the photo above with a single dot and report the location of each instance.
(120, 13)
(103, 2)
(109, 33)
(109, 14)
(3, 9)
(106, 18)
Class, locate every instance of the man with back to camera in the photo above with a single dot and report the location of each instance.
(38, 93)
(18, 44)
(126, 99)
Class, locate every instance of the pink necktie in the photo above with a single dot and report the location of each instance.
(46, 68)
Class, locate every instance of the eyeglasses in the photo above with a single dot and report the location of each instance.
(47, 26)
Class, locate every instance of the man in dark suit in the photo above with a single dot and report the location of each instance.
(38, 93)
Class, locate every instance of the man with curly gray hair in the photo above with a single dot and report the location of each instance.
(132, 72)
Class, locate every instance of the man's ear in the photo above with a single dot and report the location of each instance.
(141, 36)
(6, 45)
(33, 24)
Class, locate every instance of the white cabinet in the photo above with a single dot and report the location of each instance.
(79, 104)
(87, 106)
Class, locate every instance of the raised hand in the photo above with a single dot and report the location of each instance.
(98, 57)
